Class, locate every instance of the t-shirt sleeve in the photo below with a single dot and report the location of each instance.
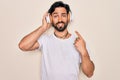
(41, 41)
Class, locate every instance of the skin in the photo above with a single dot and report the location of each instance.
(29, 42)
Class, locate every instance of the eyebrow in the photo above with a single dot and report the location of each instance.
(57, 13)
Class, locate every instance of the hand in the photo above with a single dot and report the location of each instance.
(45, 25)
(80, 44)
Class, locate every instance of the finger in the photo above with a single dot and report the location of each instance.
(77, 39)
(78, 34)
(44, 16)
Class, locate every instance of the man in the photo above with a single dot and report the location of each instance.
(62, 51)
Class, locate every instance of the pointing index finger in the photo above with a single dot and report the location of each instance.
(78, 34)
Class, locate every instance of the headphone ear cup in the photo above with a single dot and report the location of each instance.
(70, 17)
(48, 18)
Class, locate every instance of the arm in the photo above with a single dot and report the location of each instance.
(87, 65)
(29, 42)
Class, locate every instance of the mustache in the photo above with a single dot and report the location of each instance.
(60, 22)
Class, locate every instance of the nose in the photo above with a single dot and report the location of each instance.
(60, 19)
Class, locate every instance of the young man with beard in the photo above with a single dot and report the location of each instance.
(63, 53)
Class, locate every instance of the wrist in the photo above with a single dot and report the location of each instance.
(85, 55)
(43, 28)
(84, 52)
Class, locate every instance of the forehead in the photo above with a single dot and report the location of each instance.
(59, 10)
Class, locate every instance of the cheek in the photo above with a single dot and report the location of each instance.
(65, 20)
(54, 21)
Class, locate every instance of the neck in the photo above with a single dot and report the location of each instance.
(62, 35)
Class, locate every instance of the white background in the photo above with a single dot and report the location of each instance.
(98, 21)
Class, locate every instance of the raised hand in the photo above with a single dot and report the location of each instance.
(45, 25)
(80, 44)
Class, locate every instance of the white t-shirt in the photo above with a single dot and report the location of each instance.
(60, 59)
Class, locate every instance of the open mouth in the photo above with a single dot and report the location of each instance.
(60, 24)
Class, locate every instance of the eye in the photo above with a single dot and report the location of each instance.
(55, 16)
(64, 15)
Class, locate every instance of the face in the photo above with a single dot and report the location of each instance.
(60, 19)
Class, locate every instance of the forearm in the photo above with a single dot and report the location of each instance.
(87, 65)
(29, 40)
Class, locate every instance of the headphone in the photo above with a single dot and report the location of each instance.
(70, 18)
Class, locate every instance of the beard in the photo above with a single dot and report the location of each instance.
(60, 28)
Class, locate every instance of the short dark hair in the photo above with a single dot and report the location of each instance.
(59, 4)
